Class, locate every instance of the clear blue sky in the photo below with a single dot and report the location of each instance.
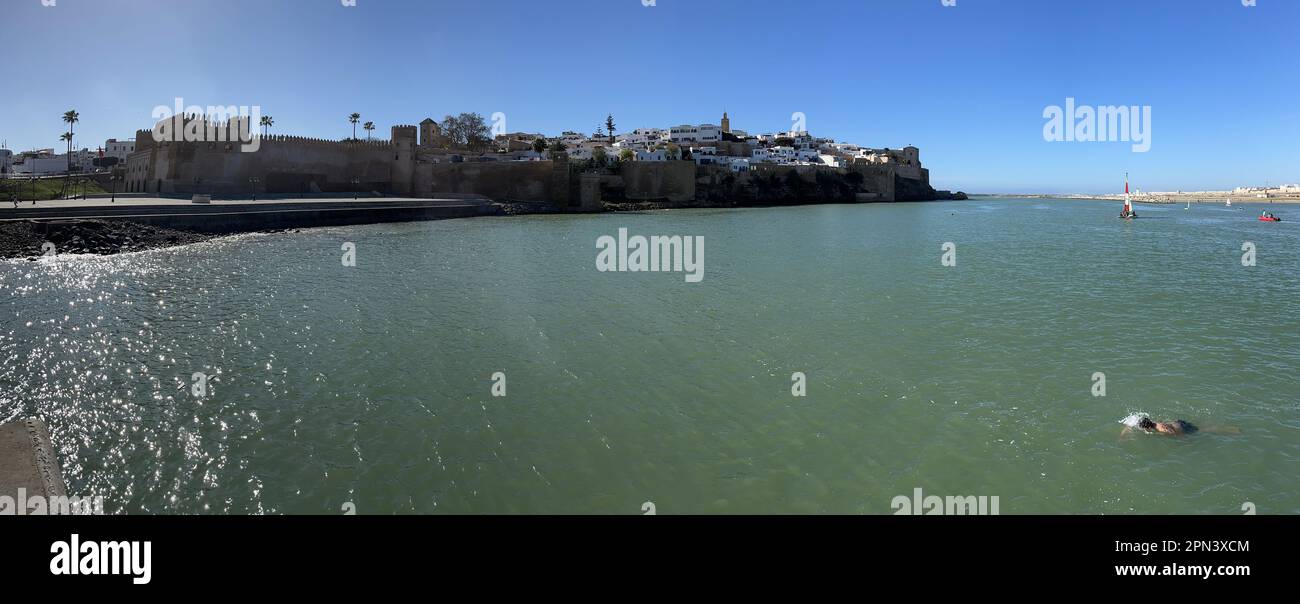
(966, 84)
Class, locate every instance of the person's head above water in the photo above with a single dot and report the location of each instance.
(1177, 427)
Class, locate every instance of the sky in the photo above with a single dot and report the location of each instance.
(968, 84)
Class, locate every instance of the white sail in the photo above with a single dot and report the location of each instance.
(1128, 201)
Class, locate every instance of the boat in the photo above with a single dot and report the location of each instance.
(1189, 206)
(1270, 219)
(1229, 204)
(1127, 213)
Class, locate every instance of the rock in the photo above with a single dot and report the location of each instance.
(24, 238)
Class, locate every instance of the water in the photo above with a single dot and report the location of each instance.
(372, 385)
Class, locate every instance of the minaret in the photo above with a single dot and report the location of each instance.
(726, 123)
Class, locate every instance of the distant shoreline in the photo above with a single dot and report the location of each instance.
(1171, 200)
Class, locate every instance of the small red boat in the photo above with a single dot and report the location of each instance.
(1270, 219)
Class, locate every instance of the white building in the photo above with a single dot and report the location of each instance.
(119, 149)
(586, 149)
(642, 138)
(704, 133)
(572, 139)
(808, 155)
(47, 164)
(832, 160)
(737, 164)
(704, 156)
(781, 155)
(656, 155)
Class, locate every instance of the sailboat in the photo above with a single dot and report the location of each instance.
(1127, 213)
(1189, 205)
(1229, 204)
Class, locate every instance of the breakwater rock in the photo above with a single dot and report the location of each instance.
(28, 239)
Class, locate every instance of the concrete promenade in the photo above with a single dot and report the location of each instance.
(27, 461)
(233, 216)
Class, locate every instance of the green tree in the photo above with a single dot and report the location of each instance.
(599, 156)
(609, 126)
(452, 129)
(467, 131)
(626, 155)
(354, 118)
(478, 136)
(368, 127)
(266, 122)
(539, 144)
(70, 117)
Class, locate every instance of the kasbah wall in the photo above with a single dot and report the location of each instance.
(403, 166)
(289, 165)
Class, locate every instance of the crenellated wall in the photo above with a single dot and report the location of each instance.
(282, 165)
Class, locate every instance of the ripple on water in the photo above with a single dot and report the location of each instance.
(327, 385)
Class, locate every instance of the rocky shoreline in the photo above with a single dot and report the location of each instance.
(28, 238)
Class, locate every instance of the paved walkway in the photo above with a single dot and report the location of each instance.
(123, 201)
(27, 460)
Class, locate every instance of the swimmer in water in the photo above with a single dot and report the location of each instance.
(1177, 427)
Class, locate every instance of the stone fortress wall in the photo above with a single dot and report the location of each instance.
(415, 162)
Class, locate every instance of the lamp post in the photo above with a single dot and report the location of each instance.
(33, 186)
(113, 179)
(252, 186)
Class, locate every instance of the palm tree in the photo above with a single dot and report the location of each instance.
(266, 123)
(368, 127)
(354, 118)
(71, 117)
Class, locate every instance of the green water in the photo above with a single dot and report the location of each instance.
(372, 384)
